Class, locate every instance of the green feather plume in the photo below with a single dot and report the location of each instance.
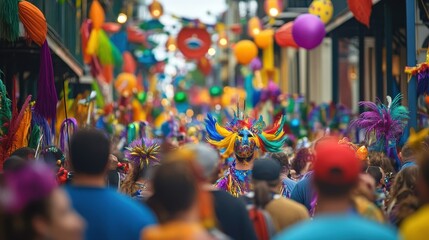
(5, 109)
(9, 20)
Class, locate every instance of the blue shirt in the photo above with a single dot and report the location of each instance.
(287, 187)
(303, 192)
(108, 214)
(338, 226)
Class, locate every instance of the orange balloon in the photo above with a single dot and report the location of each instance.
(284, 36)
(126, 83)
(96, 14)
(264, 39)
(245, 51)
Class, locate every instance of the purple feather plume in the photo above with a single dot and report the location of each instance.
(143, 151)
(33, 182)
(46, 104)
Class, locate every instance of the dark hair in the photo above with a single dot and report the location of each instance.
(379, 159)
(174, 190)
(330, 190)
(20, 226)
(263, 194)
(281, 157)
(375, 173)
(302, 157)
(89, 151)
(24, 153)
(423, 163)
(407, 153)
(13, 163)
(406, 179)
(404, 192)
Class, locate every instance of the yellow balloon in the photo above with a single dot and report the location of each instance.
(245, 51)
(323, 9)
(264, 39)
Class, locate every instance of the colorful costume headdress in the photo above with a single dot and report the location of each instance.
(143, 152)
(387, 123)
(421, 71)
(242, 135)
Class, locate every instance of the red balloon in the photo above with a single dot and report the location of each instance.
(284, 36)
(193, 42)
(361, 9)
(129, 65)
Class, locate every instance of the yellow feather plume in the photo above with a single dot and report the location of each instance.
(222, 131)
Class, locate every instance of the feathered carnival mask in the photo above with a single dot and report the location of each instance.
(242, 136)
(143, 152)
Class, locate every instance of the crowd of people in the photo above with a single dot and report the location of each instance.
(330, 189)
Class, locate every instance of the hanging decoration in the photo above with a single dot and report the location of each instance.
(284, 37)
(421, 71)
(308, 31)
(193, 42)
(245, 51)
(170, 45)
(96, 14)
(223, 40)
(273, 7)
(322, 9)
(361, 10)
(155, 9)
(204, 66)
(130, 64)
(264, 39)
(34, 22)
(126, 84)
(254, 26)
(111, 27)
(9, 23)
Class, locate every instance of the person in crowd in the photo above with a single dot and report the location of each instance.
(55, 158)
(415, 227)
(143, 155)
(12, 163)
(175, 201)
(363, 198)
(35, 208)
(25, 153)
(266, 181)
(407, 156)
(113, 175)
(403, 195)
(240, 139)
(231, 214)
(109, 215)
(336, 173)
(288, 184)
(379, 159)
(380, 192)
(302, 163)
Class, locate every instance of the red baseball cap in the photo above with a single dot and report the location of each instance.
(336, 164)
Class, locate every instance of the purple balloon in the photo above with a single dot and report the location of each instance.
(308, 31)
(256, 64)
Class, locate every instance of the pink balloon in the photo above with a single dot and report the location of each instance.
(308, 31)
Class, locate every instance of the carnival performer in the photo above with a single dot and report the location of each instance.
(142, 154)
(242, 137)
